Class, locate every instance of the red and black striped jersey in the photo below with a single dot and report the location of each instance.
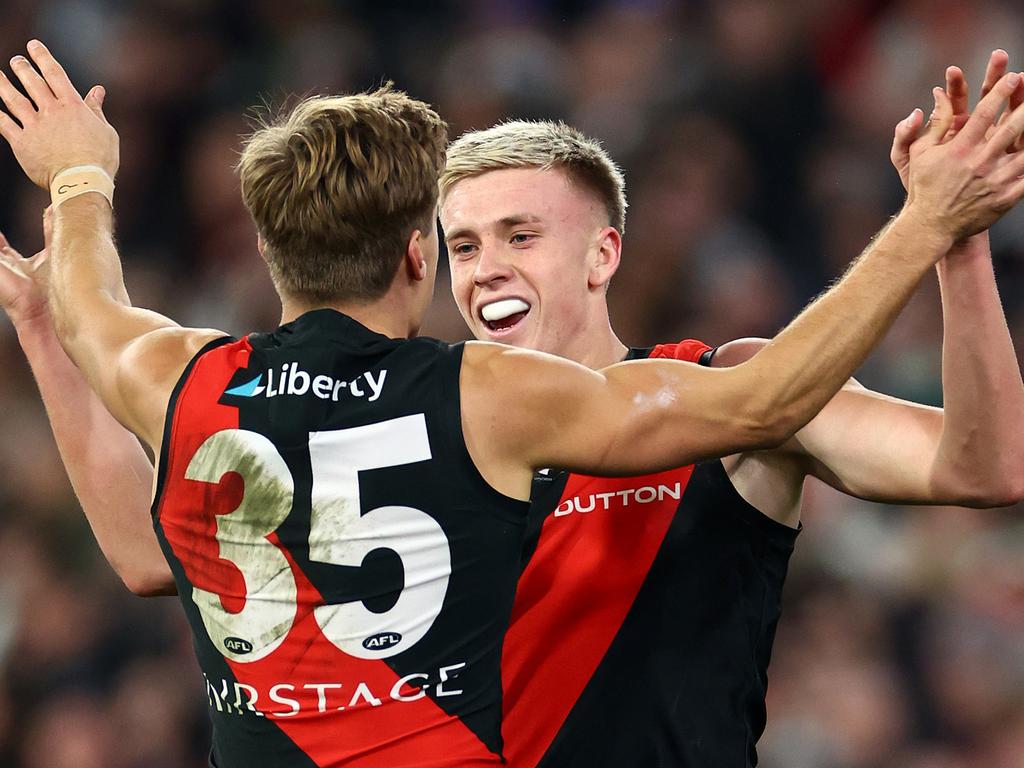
(644, 618)
(347, 573)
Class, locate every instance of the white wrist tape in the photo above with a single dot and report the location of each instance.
(72, 182)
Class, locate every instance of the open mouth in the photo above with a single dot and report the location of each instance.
(503, 316)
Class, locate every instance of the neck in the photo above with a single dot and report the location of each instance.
(595, 347)
(385, 316)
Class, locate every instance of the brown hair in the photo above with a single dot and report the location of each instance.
(539, 144)
(336, 187)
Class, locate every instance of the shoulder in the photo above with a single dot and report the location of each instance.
(149, 369)
(527, 393)
(498, 368)
(166, 352)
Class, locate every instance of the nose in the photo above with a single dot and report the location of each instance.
(492, 268)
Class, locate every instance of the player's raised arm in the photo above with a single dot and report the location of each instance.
(131, 357)
(642, 416)
(971, 451)
(108, 469)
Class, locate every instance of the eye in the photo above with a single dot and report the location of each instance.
(463, 250)
(521, 238)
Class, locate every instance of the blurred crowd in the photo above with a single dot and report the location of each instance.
(755, 137)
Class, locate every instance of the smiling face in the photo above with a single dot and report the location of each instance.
(531, 254)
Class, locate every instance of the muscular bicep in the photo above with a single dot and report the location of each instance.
(534, 410)
(875, 447)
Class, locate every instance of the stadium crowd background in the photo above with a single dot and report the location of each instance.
(755, 136)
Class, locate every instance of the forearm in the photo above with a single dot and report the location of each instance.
(130, 357)
(85, 276)
(807, 363)
(108, 469)
(981, 451)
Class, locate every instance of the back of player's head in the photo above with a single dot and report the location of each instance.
(539, 144)
(336, 187)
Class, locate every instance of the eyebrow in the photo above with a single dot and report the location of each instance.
(506, 222)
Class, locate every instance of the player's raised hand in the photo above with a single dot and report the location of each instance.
(961, 186)
(1016, 98)
(54, 128)
(907, 130)
(23, 281)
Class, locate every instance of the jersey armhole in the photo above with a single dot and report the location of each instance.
(172, 403)
(687, 350)
(451, 360)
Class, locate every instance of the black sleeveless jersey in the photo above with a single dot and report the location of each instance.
(347, 573)
(644, 619)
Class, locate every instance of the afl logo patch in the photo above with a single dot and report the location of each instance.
(381, 641)
(238, 645)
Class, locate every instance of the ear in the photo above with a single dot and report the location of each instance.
(606, 259)
(261, 246)
(415, 262)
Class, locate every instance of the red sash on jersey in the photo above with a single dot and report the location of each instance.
(387, 736)
(593, 555)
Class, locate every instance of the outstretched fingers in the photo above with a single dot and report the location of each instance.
(94, 101)
(33, 83)
(15, 102)
(1015, 172)
(988, 109)
(956, 89)
(997, 64)
(1011, 127)
(904, 135)
(1016, 99)
(8, 251)
(56, 78)
(940, 122)
(9, 257)
(906, 131)
(8, 128)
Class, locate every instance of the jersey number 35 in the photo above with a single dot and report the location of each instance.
(338, 534)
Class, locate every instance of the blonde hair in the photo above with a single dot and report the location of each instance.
(541, 144)
(336, 187)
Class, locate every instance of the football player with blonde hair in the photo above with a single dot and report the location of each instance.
(342, 506)
(657, 642)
